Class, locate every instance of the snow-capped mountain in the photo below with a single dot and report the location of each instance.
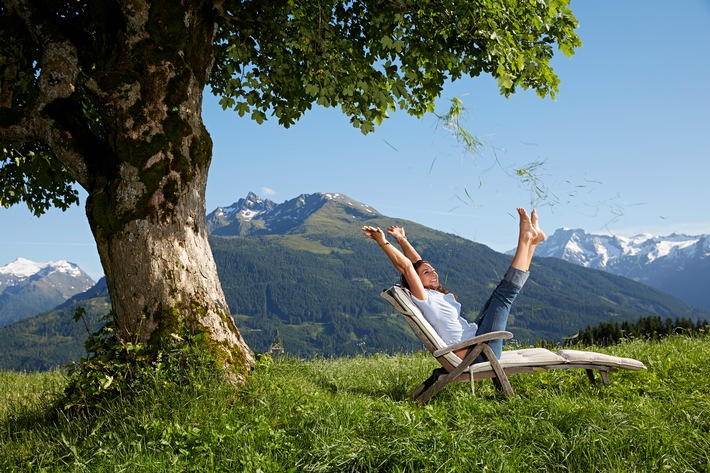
(257, 216)
(28, 288)
(677, 264)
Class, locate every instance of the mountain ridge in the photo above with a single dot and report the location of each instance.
(256, 216)
(28, 287)
(678, 264)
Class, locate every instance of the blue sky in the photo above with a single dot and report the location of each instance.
(624, 148)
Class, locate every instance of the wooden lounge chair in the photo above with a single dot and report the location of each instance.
(529, 360)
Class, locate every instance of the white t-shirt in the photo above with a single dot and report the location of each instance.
(443, 312)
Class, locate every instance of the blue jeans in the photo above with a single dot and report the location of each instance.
(494, 315)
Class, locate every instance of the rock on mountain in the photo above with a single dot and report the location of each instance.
(256, 216)
(677, 264)
(28, 288)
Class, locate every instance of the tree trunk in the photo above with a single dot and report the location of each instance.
(162, 277)
(146, 204)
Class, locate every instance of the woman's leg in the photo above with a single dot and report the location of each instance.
(494, 315)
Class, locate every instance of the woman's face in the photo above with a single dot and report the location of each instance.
(427, 274)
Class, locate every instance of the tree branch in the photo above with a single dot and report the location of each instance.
(57, 81)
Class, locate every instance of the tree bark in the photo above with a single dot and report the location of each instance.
(161, 274)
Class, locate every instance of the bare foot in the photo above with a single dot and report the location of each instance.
(530, 231)
(540, 234)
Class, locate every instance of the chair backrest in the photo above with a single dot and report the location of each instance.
(400, 299)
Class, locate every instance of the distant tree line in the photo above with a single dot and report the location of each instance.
(647, 328)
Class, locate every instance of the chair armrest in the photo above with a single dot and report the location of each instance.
(486, 337)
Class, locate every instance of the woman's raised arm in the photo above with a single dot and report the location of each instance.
(403, 264)
(407, 248)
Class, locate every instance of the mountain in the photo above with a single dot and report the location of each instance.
(677, 264)
(28, 288)
(303, 268)
(256, 216)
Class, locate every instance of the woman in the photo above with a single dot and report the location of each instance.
(440, 307)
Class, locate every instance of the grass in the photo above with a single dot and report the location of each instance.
(354, 415)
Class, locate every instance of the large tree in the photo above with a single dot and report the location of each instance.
(107, 94)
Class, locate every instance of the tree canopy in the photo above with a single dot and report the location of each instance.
(370, 58)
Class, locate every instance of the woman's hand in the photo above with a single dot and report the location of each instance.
(375, 233)
(396, 232)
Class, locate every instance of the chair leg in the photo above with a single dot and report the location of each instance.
(605, 378)
(435, 374)
(496, 383)
(604, 375)
(501, 379)
(432, 390)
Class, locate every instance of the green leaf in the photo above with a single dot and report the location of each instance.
(258, 116)
(242, 108)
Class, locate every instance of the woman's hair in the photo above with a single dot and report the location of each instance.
(417, 264)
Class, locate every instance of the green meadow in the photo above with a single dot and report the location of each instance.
(354, 415)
